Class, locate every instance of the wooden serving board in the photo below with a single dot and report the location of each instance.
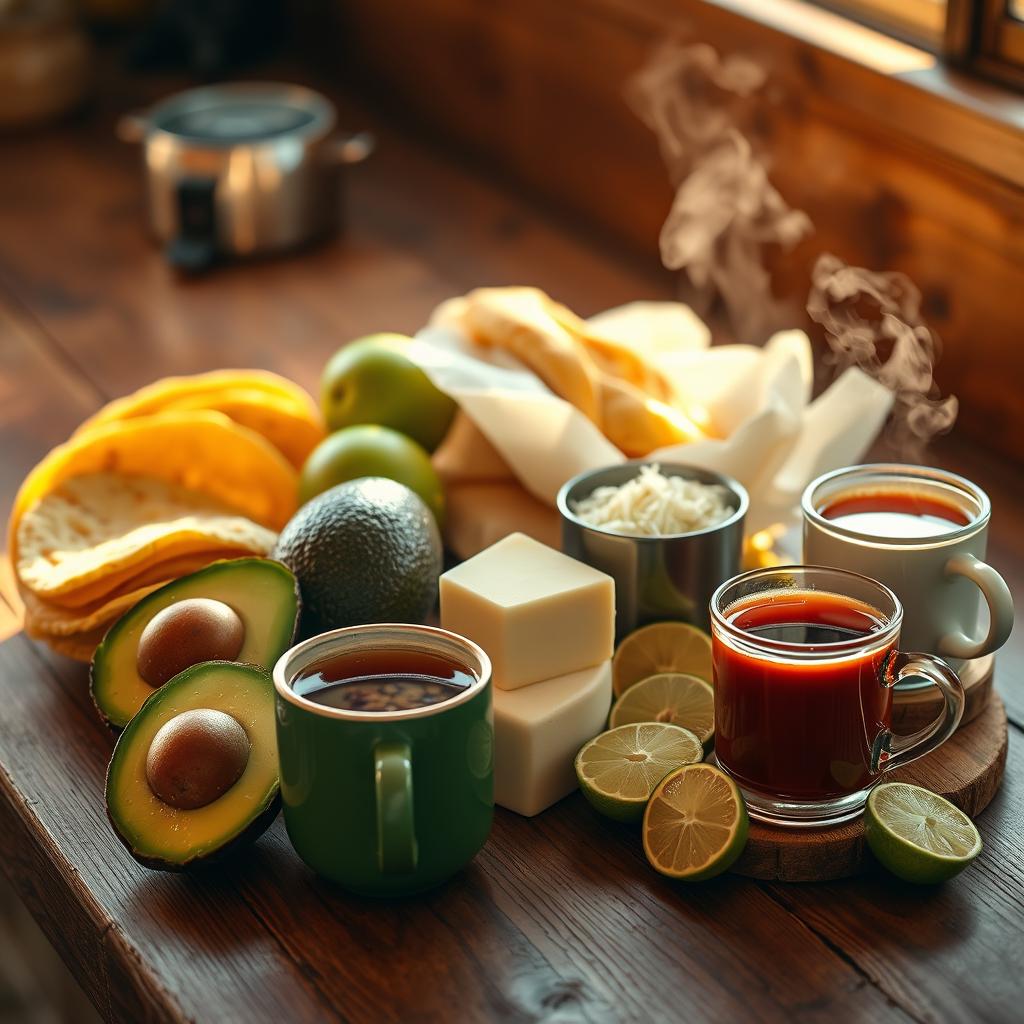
(967, 769)
(914, 710)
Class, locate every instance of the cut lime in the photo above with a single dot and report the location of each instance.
(619, 769)
(695, 825)
(919, 836)
(661, 647)
(672, 698)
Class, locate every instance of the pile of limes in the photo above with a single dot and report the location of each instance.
(649, 766)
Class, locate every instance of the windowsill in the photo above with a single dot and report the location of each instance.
(900, 88)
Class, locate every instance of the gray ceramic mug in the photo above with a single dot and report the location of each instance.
(656, 578)
(941, 580)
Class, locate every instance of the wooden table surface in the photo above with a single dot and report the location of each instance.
(559, 918)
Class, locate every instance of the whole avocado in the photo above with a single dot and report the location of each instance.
(364, 551)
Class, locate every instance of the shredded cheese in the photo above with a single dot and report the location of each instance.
(653, 505)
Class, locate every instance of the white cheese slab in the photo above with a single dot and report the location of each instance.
(539, 729)
(536, 612)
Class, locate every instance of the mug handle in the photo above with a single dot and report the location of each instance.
(891, 750)
(396, 834)
(1000, 607)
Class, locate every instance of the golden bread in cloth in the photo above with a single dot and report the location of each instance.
(611, 384)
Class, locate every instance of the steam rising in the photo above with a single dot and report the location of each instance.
(873, 320)
(725, 211)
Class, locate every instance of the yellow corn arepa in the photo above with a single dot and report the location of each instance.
(169, 568)
(288, 420)
(43, 620)
(202, 451)
(78, 648)
(611, 384)
(105, 528)
(184, 472)
(211, 386)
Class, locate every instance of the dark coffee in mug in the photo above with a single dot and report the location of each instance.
(381, 681)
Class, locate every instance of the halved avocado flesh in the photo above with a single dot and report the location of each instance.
(166, 837)
(262, 592)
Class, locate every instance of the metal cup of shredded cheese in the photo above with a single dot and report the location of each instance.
(667, 533)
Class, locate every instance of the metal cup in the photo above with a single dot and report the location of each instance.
(656, 578)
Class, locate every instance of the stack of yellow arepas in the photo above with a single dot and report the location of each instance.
(156, 485)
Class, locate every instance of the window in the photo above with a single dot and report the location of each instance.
(918, 21)
(985, 35)
(999, 45)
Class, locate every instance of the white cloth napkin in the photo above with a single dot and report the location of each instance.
(754, 402)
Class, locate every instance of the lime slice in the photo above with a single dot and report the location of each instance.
(671, 697)
(916, 834)
(695, 825)
(619, 769)
(661, 647)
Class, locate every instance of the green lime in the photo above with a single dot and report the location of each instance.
(619, 769)
(372, 381)
(695, 825)
(919, 836)
(672, 697)
(368, 451)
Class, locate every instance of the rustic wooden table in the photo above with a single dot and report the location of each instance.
(559, 917)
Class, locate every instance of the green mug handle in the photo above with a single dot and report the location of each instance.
(396, 833)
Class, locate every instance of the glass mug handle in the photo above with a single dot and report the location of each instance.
(1000, 607)
(396, 835)
(891, 750)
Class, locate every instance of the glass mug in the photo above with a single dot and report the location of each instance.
(805, 661)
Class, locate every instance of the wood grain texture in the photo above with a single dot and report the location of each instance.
(892, 932)
(968, 770)
(559, 918)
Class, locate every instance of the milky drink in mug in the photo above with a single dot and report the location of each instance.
(923, 533)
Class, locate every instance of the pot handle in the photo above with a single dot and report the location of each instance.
(195, 247)
(132, 127)
(350, 149)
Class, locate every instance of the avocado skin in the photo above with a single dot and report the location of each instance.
(263, 819)
(364, 551)
(245, 838)
(104, 651)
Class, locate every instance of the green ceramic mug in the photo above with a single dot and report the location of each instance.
(387, 803)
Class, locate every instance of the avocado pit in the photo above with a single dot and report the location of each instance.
(196, 757)
(186, 633)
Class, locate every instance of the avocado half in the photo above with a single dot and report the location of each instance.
(168, 838)
(262, 592)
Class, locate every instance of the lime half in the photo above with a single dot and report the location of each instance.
(661, 647)
(619, 769)
(919, 836)
(695, 825)
(672, 697)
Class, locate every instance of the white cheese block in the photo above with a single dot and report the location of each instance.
(539, 729)
(536, 612)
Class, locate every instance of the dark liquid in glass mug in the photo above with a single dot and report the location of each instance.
(380, 681)
(897, 514)
(797, 730)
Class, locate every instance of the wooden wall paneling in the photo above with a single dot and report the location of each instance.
(535, 90)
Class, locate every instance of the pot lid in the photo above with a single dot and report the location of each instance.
(242, 112)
